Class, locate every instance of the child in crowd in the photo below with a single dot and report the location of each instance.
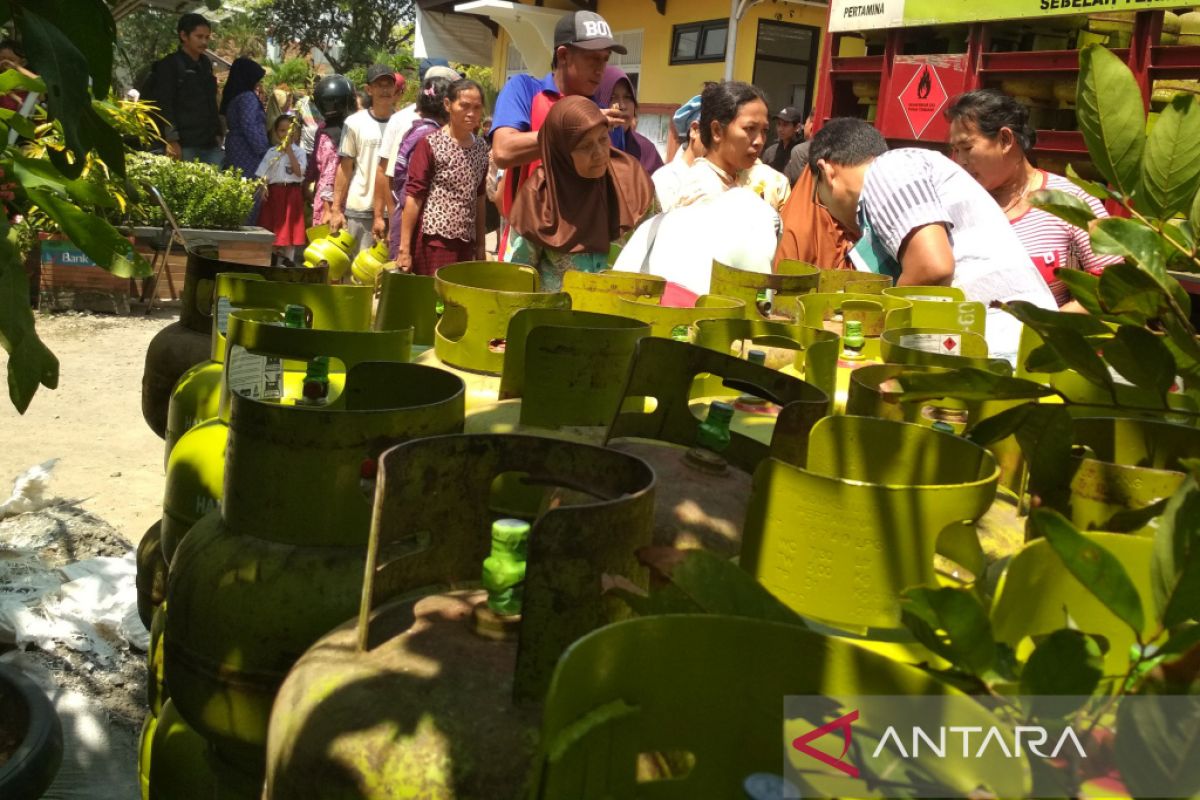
(283, 197)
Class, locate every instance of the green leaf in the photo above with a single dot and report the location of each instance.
(1125, 289)
(65, 71)
(1061, 673)
(1045, 359)
(1175, 571)
(1111, 117)
(11, 80)
(1181, 341)
(1064, 333)
(1180, 642)
(1142, 359)
(1141, 245)
(1171, 167)
(30, 363)
(1194, 216)
(1096, 568)
(1001, 426)
(951, 623)
(1096, 190)
(18, 123)
(715, 585)
(1084, 286)
(93, 236)
(1064, 205)
(33, 173)
(968, 384)
(1180, 232)
(1044, 317)
(1158, 745)
(1131, 239)
(1045, 437)
(89, 25)
(1133, 519)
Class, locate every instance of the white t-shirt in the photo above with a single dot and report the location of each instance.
(668, 180)
(908, 188)
(361, 136)
(393, 134)
(275, 165)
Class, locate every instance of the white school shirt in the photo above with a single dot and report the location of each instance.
(274, 166)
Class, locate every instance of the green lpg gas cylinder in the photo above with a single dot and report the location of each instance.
(197, 395)
(186, 342)
(674, 322)
(260, 352)
(1124, 465)
(563, 374)
(766, 295)
(703, 491)
(179, 764)
(943, 307)
(429, 692)
(480, 297)
(840, 535)
(875, 313)
(794, 349)
(408, 301)
(669, 684)
(289, 542)
(601, 292)
(875, 392)
(850, 281)
(151, 578)
(331, 253)
(369, 264)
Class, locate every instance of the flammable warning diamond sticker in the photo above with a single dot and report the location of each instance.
(923, 98)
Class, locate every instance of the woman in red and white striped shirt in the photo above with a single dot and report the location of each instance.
(990, 138)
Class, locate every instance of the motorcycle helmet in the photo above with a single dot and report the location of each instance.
(334, 94)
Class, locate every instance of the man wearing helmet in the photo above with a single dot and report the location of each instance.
(334, 99)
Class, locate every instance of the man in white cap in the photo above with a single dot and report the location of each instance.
(354, 186)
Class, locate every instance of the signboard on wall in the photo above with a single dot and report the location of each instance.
(867, 15)
(927, 83)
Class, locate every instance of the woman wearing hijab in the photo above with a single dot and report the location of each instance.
(585, 196)
(616, 91)
(245, 118)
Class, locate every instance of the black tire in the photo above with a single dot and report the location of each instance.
(31, 769)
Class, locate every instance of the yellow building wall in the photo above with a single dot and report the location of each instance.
(660, 82)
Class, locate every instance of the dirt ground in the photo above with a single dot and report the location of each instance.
(108, 457)
(108, 483)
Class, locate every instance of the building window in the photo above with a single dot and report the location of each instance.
(698, 42)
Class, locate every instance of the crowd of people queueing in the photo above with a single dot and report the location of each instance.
(576, 186)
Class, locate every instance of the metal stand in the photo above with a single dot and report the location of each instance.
(168, 236)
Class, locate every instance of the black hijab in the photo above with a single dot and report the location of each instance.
(244, 75)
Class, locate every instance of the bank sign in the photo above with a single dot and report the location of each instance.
(867, 15)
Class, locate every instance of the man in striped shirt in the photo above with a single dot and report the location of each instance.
(932, 224)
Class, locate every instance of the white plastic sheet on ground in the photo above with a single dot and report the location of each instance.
(88, 606)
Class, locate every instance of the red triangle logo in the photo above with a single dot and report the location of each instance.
(843, 724)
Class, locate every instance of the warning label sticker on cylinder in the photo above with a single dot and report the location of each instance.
(224, 309)
(947, 344)
(253, 375)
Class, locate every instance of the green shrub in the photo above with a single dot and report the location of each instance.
(200, 195)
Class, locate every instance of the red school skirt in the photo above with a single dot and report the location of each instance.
(283, 214)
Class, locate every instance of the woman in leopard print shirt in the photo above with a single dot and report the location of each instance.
(444, 214)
